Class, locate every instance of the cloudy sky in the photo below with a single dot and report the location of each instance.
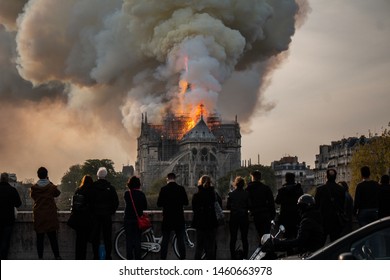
(76, 76)
(334, 84)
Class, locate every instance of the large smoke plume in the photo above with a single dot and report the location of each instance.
(77, 74)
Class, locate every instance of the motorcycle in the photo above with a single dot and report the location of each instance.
(259, 253)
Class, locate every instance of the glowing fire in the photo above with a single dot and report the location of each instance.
(184, 86)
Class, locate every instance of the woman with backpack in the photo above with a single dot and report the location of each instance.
(80, 219)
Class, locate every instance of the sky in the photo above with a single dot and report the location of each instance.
(334, 84)
(73, 86)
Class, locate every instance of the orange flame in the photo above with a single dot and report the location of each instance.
(196, 112)
(183, 85)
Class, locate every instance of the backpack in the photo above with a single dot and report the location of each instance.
(78, 202)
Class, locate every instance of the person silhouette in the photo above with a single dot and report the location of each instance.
(9, 199)
(45, 212)
(172, 198)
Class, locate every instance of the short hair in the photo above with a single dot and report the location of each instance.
(365, 171)
(134, 183)
(331, 174)
(385, 179)
(239, 182)
(4, 177)
(290, 177)
(42, 173)
(171, 176)
(256, 175)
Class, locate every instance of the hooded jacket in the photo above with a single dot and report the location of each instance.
(44, 207)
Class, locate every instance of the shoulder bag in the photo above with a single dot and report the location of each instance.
(218, 211)
(143, 221)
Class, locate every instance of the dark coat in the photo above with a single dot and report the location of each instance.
(261, 200)
(81, 217)
(172, 199)
(140, 203)
(287, 197)
(104, 198)
(238, 203)
(330, 200)
(203, 208)
(384, 201)
(366, 195)
(45, 208)
(9, 198)
(310, 235)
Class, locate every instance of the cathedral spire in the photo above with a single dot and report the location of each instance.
(201, 111)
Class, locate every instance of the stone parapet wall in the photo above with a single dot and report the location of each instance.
(23, 242)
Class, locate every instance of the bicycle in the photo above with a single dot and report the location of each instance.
(152, 243)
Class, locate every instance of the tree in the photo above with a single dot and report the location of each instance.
(91, 166)
(374, 154)
(72, 178)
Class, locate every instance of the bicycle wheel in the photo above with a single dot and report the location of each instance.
(120, 243)
(189, 240)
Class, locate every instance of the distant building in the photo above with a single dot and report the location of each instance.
(286, 164)
(189, 150)
(12, 178)
(23, 190)
(338, 155)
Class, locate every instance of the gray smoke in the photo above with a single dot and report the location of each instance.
(93, 66)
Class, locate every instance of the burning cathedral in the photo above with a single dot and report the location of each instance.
(189, 147)
(191, 140)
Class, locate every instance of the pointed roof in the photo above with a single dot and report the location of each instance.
(200, 133)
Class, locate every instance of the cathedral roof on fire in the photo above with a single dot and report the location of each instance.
(200, 133)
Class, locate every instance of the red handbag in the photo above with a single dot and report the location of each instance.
(144, 220)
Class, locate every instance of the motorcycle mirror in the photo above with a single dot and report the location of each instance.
(265, 238)
(282, 228)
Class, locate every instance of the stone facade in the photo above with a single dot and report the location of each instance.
(210, 147)
(338, 155)
(303, 173)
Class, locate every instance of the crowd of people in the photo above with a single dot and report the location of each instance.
(309, 220)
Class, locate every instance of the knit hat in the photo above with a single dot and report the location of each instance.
(102, 173)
